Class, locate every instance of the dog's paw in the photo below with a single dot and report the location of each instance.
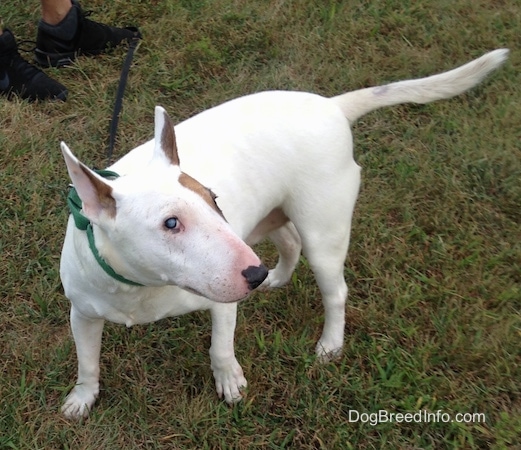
(275, 279)
(230, 383)
(79, 402)
(326, 353)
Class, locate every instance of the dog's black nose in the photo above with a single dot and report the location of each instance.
(255, 275)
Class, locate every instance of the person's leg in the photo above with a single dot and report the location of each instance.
(20, 78)
(54, 11)
(60, 41)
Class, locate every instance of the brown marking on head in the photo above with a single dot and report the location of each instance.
(103, 192)
(168, 142)
(206, 194)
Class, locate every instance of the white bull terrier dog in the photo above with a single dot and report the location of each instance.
(152, 243)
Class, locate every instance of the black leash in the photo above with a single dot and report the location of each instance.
(132, 46)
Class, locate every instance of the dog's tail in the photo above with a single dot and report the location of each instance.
(424, 90)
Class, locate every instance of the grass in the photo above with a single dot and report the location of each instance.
(435, 260)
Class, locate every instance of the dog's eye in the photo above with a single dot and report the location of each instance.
(171, 223)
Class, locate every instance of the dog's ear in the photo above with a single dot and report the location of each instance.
(164, 136)
(95, 193)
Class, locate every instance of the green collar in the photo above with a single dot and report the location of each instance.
(82, 223)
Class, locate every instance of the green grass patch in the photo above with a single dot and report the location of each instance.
(434, 269)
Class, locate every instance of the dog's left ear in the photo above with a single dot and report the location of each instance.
(95, 193)
(164, 136)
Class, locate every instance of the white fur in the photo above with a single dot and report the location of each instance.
(268, 157)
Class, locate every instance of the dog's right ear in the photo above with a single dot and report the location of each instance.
(95, 193)
(164, 136)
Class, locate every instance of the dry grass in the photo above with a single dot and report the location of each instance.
(434, 266)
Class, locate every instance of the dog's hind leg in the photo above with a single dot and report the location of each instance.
(87, 334)
(327, 264)
(329, 273)
(330, 343)
(287, 241)
(227, 372)
(325, 240)
(325, 233)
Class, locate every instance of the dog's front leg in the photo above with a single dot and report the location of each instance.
(228, 374)
(87, 337)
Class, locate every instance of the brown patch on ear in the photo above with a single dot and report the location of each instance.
(206, 194)
(168, 142)
(103, 191)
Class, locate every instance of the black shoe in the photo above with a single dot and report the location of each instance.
(18, 77)
(76, 35)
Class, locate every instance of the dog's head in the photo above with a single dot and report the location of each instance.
(159, 226)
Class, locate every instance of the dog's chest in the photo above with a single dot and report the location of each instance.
(138, 305)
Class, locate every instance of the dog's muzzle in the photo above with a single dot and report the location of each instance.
(255, 275)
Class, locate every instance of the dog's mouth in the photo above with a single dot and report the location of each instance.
(193, 291)
(200, 294)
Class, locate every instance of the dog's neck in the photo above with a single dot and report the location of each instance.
(84, 224)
